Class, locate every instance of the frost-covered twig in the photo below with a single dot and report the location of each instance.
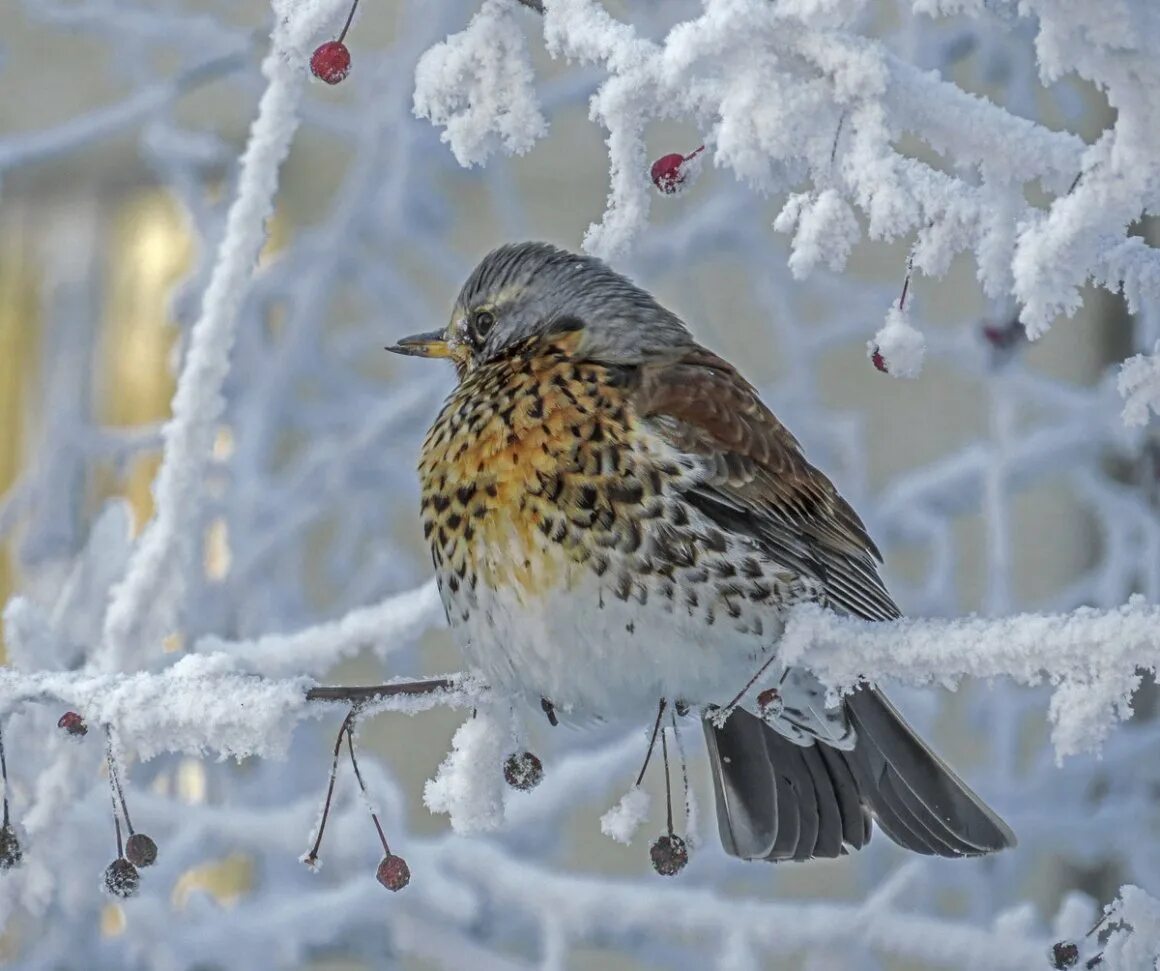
(1092, 657)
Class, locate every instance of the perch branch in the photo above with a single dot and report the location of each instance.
(361, 694)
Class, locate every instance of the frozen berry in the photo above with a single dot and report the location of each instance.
(1003, 337)
(670, 172)
(330, 62)
(669, 855)
(1064, 954)
(10, 852)
(72, 723)
(879, 361)
(393, 872)
(523, 771)
(122, 878)
(140, 850)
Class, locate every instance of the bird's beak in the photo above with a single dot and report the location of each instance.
(431, 344)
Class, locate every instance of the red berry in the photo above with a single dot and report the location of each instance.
(330, 62)
(669, 172)
(669, 855)
(523, 771)
(879, 361)
(72, 723)
(393, 872)
(1003, 336)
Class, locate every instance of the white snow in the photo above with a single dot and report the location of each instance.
(469, 785)
(623, 820)
(901, 345)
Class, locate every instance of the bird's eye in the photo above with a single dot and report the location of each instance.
(482, 322)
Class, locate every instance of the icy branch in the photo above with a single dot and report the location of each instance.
(200, 705)
(146, 605)
(1091, 657)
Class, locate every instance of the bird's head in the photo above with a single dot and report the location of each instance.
(527, 290)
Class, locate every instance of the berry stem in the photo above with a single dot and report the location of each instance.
(668, 784)
(906, 282)
(312, 856)
(362, 786)
(4, 778)
(117, 825)
(349, 18)
(684, 768)
(652, 741)
(115, 779)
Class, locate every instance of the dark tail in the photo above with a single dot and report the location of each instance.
(781, 801)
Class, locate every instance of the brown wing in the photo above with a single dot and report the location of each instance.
(759, 483)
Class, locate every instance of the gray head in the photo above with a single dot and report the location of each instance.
(533, 289)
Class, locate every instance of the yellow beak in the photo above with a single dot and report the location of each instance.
(430, 344)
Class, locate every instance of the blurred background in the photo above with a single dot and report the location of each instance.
(999, 481)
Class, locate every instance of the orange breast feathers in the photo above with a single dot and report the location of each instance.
(512, 447)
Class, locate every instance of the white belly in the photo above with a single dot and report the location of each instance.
(594, 654)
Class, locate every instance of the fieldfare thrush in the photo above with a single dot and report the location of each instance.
(616, 519)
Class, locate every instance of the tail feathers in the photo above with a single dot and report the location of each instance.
(777, 800)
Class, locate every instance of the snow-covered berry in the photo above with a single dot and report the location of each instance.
(72, 723)
(1064, 954)
(393, 872)
(11, 854)
(140, 850)
(669, 855)
(879, 361)
(122, 878)
(670, 173)
(330, 62)
(523, 771)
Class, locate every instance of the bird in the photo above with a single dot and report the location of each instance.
(616, 520)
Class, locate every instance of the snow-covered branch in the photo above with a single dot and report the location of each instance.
(1093, 658)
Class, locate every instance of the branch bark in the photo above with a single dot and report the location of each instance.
(361, 694)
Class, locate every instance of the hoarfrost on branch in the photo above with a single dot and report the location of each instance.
(861, 120)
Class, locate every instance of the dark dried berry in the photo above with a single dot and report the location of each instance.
(879, 361)
(1064, 954)
(140, 850)
(72, 723)
(122, 878)
(523, 771)
(393, 872)
(669, 855)
(11, 854)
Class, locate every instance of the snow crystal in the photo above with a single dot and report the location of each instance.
(623, 820)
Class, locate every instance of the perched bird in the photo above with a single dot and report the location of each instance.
(617, 520)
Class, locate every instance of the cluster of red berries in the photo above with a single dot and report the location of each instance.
(121, 876)
(522, 770)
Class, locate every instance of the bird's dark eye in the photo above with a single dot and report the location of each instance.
(482, 322)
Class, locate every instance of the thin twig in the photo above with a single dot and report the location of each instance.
(362, 694)
(684, 771)
(312, 856)
(115, 779)
(652, 741)
(363, 787)
(668, 784)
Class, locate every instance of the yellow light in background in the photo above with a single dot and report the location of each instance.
(19, 340)
(190, 781)
(149, 251)
(112, 920)
(225, 880)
